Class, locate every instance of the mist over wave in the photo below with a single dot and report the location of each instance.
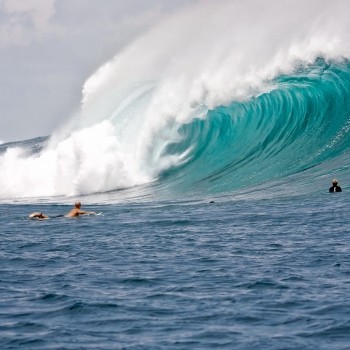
(217, 97)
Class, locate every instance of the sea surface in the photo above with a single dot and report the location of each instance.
(236, 274)
(208, 145)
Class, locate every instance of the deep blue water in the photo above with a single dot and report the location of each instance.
(235, 274)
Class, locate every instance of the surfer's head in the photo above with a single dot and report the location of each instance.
(77, 205)
(335, 182)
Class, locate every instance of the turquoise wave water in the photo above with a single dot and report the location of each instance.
(302, 123)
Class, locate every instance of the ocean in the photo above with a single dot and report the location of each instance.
(245, 274)
(208, 146)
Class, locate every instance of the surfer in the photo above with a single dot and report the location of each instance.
(335, 187)
(75, 212)
(38, 215)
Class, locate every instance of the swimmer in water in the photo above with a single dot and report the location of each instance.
(75, 212)
(335, 187)
(38, 215)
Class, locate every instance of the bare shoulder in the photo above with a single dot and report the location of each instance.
(74, 212)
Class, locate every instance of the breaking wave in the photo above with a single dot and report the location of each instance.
(220, 97)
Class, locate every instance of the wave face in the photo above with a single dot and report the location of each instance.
(303, 123)
(218, 98)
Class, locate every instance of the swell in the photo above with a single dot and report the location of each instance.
(235, 96)
(299, 128)
(302, 123)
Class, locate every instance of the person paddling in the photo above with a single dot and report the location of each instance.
(75, 212)
(38, 215)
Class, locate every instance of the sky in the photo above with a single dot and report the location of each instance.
(48, 48)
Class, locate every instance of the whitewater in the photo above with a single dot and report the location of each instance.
(219, 97)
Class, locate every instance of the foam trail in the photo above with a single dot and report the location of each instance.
(210, 54)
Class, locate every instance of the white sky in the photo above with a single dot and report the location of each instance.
(48, 48)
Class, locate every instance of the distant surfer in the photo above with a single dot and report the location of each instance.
(335, 187)
(75, 212)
